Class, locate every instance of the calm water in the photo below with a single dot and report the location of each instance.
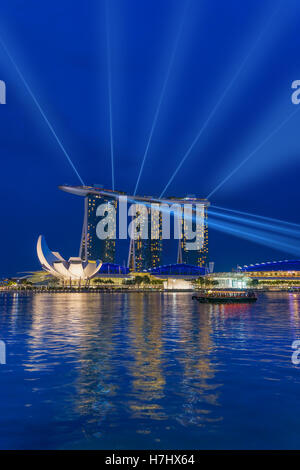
(148, 371)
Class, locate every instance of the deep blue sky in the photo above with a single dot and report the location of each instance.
(60, 46)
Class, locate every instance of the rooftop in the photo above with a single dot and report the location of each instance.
(283, 265)
(86, 190)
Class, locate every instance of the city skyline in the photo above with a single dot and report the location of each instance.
(150, 262)
(154, 222)
(172, 63)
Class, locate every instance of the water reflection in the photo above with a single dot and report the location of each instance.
(110, 369)
(79, 329)
(294, 309)
(145, 351)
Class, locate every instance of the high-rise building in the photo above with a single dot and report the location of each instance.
(145, 253)
(198, 256)
(92, 247)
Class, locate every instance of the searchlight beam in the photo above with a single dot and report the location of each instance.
(245, 160)
(156, 115)
(108, 49)
(41, 110)
(218, 104)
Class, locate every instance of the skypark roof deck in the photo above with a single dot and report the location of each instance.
(86, 190)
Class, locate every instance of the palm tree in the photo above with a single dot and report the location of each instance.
(139, 280)
(146, 280)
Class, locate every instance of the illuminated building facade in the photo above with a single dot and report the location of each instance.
(73, 270)
(183, 270)
(272, 267)
(199, 255)
(230, 280)
(145, 254)
(274, 272)
(92, 247)
(115, 269)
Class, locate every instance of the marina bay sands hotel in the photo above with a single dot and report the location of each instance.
(143, 254)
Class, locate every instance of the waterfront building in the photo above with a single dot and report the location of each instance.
(286, 267)
(229, 280)
(178, 284)
(92, 247)
(274, 272)
(199, 255)
(115, 269)
(179, 270)
(144, 253)
(73, 270)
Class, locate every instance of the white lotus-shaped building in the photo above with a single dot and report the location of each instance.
(74, 270)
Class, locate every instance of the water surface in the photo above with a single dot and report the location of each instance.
(156, 370)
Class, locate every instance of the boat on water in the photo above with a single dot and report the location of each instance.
(225, 297)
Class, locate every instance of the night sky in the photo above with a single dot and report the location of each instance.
(61, 49)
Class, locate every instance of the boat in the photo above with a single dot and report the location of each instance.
(225, 297)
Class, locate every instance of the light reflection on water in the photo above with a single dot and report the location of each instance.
(148, 371)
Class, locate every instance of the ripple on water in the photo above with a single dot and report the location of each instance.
(148, 370)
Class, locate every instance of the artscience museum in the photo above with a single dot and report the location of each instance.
(75, 269)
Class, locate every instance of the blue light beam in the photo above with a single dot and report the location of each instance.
(261, 217)
(245, 160)
(108, 50)
(219, 102)
(256, 236)
(261, 237)
(265, 226)
(156, 115)
(41, 110)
